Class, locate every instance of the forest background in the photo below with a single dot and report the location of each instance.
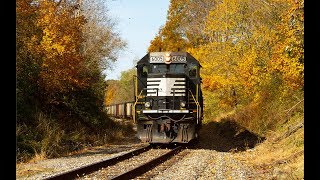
(251, 52)
(252, 57)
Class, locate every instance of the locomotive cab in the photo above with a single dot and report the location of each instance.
(168, 97)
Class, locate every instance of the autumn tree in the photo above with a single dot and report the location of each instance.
(170, 38)
(62, 49)
(253, 58)
(101, 46)
(241, 36)
(73, 44)
(63, 64)
(251, 52)
(111, 92)
(193, 21)
(28, 62)
(288, 54)
(184, 26)
(119, 91)
(102, 42)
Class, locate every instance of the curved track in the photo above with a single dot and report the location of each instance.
(96, 166)
(137, 171)
(130, 174)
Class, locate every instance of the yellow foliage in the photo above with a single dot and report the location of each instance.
(110, 95)
(250, 49)
(60, 44)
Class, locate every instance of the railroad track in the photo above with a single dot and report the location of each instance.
(163, 166)
(137, 170)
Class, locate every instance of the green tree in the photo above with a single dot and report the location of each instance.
(28, 62)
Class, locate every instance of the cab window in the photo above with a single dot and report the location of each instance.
(144, 71)
(177, 68)
(193, 71)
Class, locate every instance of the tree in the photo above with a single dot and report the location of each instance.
(28, 62)
(242, 35)
(62, 49)
(119, 91)
(102, 42)
(288, 54)
(63, 64)
(184, 26)
(170, 38)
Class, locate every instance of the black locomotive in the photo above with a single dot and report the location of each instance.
(168, 98)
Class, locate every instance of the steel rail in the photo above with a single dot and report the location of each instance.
(148, 165)
(78, 172)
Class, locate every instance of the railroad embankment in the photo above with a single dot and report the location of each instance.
(277, 155)
(225, 150)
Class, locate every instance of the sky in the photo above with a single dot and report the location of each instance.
(138, 22)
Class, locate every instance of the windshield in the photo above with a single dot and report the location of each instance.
(168, 68)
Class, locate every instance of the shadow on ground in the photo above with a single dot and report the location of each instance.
(227, 136)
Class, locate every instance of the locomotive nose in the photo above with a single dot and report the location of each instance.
(166, 86)
(166, 92)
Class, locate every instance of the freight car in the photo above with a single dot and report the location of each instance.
(120, 110)
(168, 98)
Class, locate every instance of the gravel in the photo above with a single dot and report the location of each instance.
(49, 167)
(205, 164)
(123, 166)
(193, 164)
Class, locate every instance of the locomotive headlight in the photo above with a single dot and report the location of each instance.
(147, 104)
(182, 104)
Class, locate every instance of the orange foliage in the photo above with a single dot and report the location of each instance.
(62, 64)
(110, 94)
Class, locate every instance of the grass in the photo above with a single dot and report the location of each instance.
(283, 159)
(279, 119)
(49, 137)
(279, 156)
(28, 172)
(282, 154)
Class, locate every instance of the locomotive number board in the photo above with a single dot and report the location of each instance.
(167, 58)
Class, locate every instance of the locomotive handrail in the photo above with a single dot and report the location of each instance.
(140, 80)
(198, 105)
(136, 86)
(137, 99)
(134, 107)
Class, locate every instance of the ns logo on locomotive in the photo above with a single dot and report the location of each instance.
(168, 98)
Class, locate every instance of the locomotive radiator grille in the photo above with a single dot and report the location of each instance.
(166, 86)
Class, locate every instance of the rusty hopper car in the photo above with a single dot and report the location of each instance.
(120, 110)
(168, 98)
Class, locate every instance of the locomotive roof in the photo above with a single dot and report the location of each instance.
(189, 58)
